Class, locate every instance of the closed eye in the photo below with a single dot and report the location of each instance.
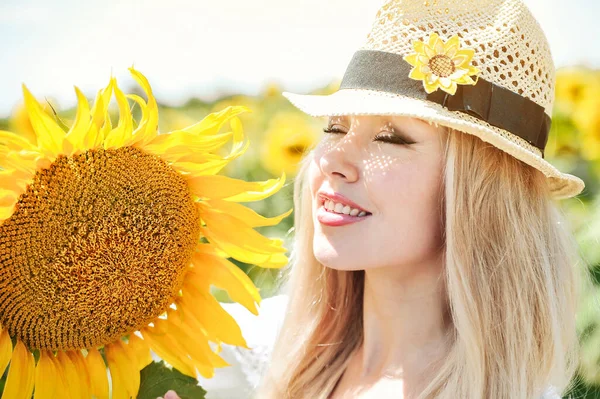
(333, 129)
(391, 138)
(385, 137)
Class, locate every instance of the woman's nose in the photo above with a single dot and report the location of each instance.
(338, 162)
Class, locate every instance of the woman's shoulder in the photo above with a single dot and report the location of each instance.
(247, 366)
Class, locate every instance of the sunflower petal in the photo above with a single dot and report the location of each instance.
(6, 212)
(445, 82)
(101, 123)
(10, 181)
(412, 59)
(223, 187)
(70, 372)
(62, 385)
(194, 157)
(195, 342)
(439, 46)
(451, 88)
(203, 358)
(98, 376)
(419, 46)
(463, 57)
(122, 134)
(198, 305)
(75, 136)
(433, 40)
(199, 164)
(466, 80)
(8, 198)
(141, 349)
(243, 213)
(82, 372)
(200, 169)
(124, 372)
(473, 70)
(138, 135)
(181, 143)
(46, 376)
(49, 134)
(148, 127)
(429, 52)
(6, 349)
(458, 73)
(275, 261)
(22, 161)
(132, 369)
(228, 228)
(452, 44)
(238, 135)
(103, 132)
(237, 250)
(168, 349)
(100, 107)
(226, 275)
(15, 142)
(21, 374)
(212, 123)
(415, 73)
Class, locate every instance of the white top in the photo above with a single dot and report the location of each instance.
(247, 366)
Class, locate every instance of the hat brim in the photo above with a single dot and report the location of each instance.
(370, 102)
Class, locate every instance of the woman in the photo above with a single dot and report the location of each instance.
(431, 259)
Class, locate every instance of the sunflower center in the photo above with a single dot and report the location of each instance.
(97, 248)
(296, 150)
(442, 65)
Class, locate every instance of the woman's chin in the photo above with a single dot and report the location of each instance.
(332, 260)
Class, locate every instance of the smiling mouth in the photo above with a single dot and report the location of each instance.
(341, 208)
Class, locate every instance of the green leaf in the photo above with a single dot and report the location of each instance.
(157, 379)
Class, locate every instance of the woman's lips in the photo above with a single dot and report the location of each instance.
(338, 198)
(337, 219)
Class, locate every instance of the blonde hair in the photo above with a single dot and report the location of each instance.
(512, 273)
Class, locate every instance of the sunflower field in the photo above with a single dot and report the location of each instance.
(98, 172)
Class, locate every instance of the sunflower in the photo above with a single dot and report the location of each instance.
(110, 239)
(571, 86)
(287, 139)
(442, 65)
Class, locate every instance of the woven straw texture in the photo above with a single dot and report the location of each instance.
(511, 51)
(510, 47)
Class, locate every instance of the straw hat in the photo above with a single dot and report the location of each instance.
(479, 66)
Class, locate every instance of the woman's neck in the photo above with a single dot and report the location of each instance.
(406, 328)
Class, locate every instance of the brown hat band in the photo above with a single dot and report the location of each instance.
(500, 107)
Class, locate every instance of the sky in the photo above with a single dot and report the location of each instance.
(200, 48)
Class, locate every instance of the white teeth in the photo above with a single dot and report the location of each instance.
(329, 205)
(343, 209)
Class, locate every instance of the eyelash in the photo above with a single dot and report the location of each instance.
(390, 138)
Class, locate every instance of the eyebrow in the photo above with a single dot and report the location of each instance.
(334, 119)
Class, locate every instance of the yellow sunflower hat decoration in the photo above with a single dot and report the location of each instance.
(110, 238)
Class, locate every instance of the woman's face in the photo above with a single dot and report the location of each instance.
(390, 168)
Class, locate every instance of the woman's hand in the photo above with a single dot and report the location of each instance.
(170, 395)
